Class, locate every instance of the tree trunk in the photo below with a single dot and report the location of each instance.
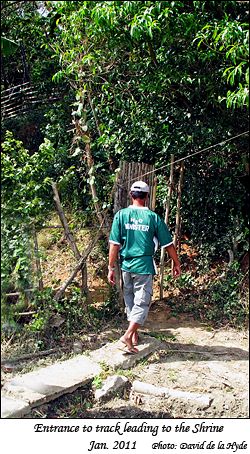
(153, 192)
(101, 215)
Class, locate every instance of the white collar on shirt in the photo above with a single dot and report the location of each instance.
(140, 208)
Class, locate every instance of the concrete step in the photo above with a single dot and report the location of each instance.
(24, 392)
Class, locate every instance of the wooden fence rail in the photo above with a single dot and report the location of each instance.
(22, 98)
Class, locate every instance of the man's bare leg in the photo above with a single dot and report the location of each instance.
(131, 335)
(135, 338)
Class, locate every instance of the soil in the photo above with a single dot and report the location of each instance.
(217, 365)
(193, 357)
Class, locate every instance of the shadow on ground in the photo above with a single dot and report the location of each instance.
(204, 352)
(125, 413)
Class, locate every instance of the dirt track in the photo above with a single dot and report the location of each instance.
(193, 358)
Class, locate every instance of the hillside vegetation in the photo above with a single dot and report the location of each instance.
(122, 81)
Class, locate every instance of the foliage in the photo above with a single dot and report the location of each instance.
(22, 23)
(168, 86)
(72, 314)
(136, 81)
(223, 299)
(97, 381)
(8, 47)
(26, 198)
(185, 282)
(219, 299)
(21, 202)
(228, 42)
(215, 205)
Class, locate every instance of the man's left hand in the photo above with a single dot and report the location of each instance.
(111, 277)
(176, 270)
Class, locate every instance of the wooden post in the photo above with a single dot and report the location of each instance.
(178, 208)
(153, 192)
(170, 189)
(38, 262)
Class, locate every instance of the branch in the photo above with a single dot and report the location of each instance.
(64, 222)
(31, 355)
(94, 115)
(152, 54)
(79, 266)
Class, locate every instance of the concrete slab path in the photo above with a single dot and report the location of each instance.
(24, 392)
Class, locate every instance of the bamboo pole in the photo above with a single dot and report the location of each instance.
(115, 190)
(160, 391)
(33, 355)
(128, 181)
(143, 170)
(170, 189)
(153, 192)
(178, 209)
(133, 174)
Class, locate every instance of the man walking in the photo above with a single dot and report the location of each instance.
(136, 232)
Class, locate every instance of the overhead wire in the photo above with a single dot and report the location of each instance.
(189, 156)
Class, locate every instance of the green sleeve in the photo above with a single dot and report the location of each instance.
(115, 234)
(162, 233)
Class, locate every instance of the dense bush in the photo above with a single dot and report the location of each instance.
(220, 298)
(138, 81)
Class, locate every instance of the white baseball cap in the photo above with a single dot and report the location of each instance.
(139, 186)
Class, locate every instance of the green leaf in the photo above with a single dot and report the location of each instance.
(77, 152)
(85, 139)
(8, 47)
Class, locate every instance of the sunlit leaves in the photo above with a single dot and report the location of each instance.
(228, 43)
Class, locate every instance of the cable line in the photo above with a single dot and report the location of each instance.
(190, 155)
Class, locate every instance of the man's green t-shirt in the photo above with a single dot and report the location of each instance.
(137, 230)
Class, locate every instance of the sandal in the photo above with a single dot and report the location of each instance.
(128, 351)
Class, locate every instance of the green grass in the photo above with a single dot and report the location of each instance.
(163, 337)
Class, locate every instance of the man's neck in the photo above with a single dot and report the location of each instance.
(139, 202)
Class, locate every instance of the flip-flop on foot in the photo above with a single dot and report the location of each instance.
(126, 348)
(128, 351)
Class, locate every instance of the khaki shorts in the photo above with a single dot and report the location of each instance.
(137, 292)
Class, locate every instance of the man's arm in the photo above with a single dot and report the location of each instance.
(173, 255)
(113, 255)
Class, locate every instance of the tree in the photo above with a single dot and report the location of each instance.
(148, 79)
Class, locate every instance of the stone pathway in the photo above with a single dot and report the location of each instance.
(24, 392)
